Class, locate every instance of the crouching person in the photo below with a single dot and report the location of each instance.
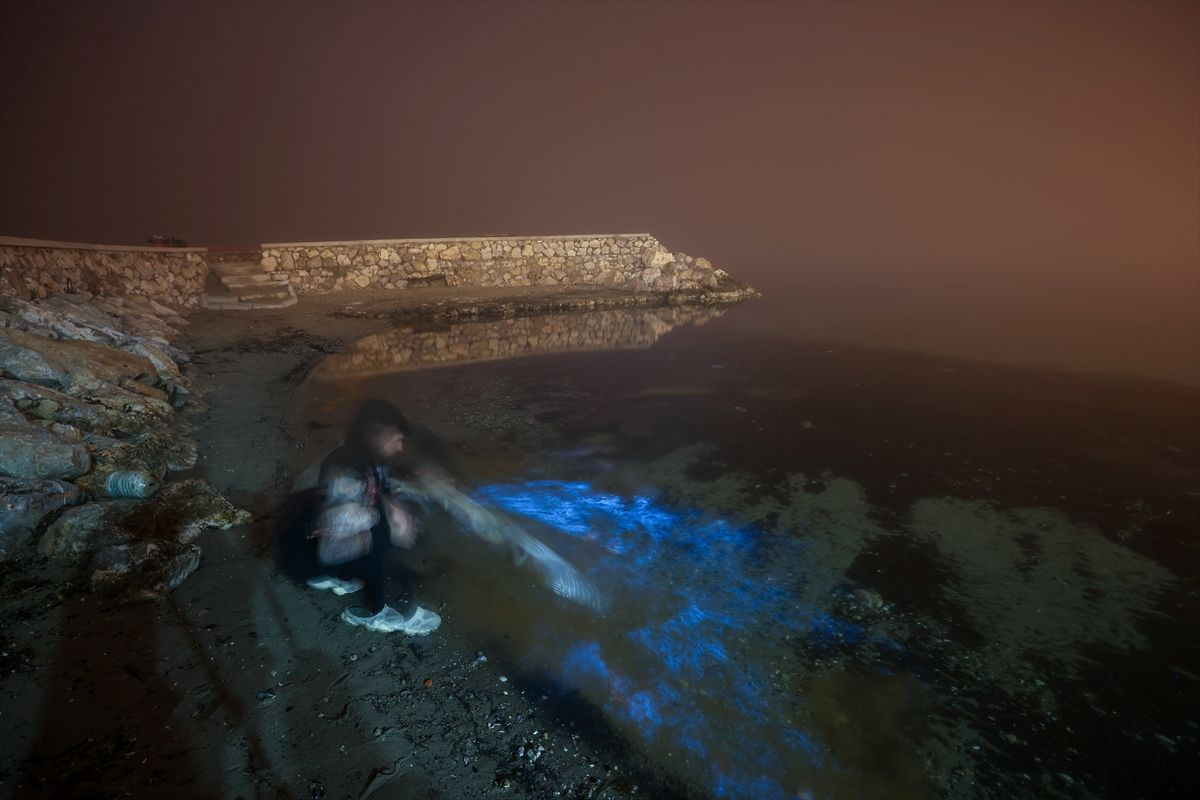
(358, 521)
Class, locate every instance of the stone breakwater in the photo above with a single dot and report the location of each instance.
(32, 269)
(628, 262)
(408, 347)
(90, 387)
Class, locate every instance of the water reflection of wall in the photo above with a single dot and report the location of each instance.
(409, 347)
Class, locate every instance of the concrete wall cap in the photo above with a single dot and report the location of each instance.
(500, 238)
(17, 241)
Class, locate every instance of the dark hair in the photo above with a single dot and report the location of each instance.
(371, 417)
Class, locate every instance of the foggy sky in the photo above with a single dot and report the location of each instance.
(961, 142)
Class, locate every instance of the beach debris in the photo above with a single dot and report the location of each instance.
(130, 483)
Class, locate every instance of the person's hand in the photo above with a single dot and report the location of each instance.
(401, 525)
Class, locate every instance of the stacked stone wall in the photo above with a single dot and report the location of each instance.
(632, 262)
(31, 269)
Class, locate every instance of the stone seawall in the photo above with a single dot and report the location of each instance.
(632, 262)
(31, 269)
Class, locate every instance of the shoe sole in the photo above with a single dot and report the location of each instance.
(359, 622)
(337, 589)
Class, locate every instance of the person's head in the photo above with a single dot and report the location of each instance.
(379, 429)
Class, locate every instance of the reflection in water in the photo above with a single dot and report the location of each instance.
(410, 347)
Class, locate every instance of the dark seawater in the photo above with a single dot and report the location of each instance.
(833, 571)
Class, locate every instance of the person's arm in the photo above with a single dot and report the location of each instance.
(401, 524)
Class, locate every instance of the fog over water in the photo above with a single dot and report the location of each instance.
(1017, 180)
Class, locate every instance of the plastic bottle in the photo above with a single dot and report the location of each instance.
(130, 483)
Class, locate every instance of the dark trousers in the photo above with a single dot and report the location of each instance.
(296, 551)
(369, 569)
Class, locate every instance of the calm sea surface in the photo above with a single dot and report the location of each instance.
(833, 570)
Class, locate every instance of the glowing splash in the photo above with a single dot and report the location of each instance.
(705, 611)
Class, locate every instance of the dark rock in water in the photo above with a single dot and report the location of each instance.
(23, 506)
(81, 530)
(33, 453)
(143, 571)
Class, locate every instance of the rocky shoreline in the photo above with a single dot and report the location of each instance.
(92, 406)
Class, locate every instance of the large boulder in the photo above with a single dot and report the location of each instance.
(87, 364)
(174, 516)
(28, 363)
(179, 511)
(80, 531)
(24, 505)
(33, 453)
(42, 402)
(193, 505)
(63, 319)
(142, 319)
(178, 389)
(132, 413)
(656, 256)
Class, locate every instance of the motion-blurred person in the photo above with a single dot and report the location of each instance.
(358, 521)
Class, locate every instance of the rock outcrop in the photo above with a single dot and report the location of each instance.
(88, 388)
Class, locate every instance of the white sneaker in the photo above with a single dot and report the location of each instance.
(339, 587)
(389, 620)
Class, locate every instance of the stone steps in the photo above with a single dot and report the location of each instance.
(273, 292)
(239, 282)
(232, 302)
(238, 268)
(244, 286)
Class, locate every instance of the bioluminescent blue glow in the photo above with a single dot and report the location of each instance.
(702, 609)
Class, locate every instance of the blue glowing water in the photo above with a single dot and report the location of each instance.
(703, 608)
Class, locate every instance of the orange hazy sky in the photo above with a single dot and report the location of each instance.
(1047, 144)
